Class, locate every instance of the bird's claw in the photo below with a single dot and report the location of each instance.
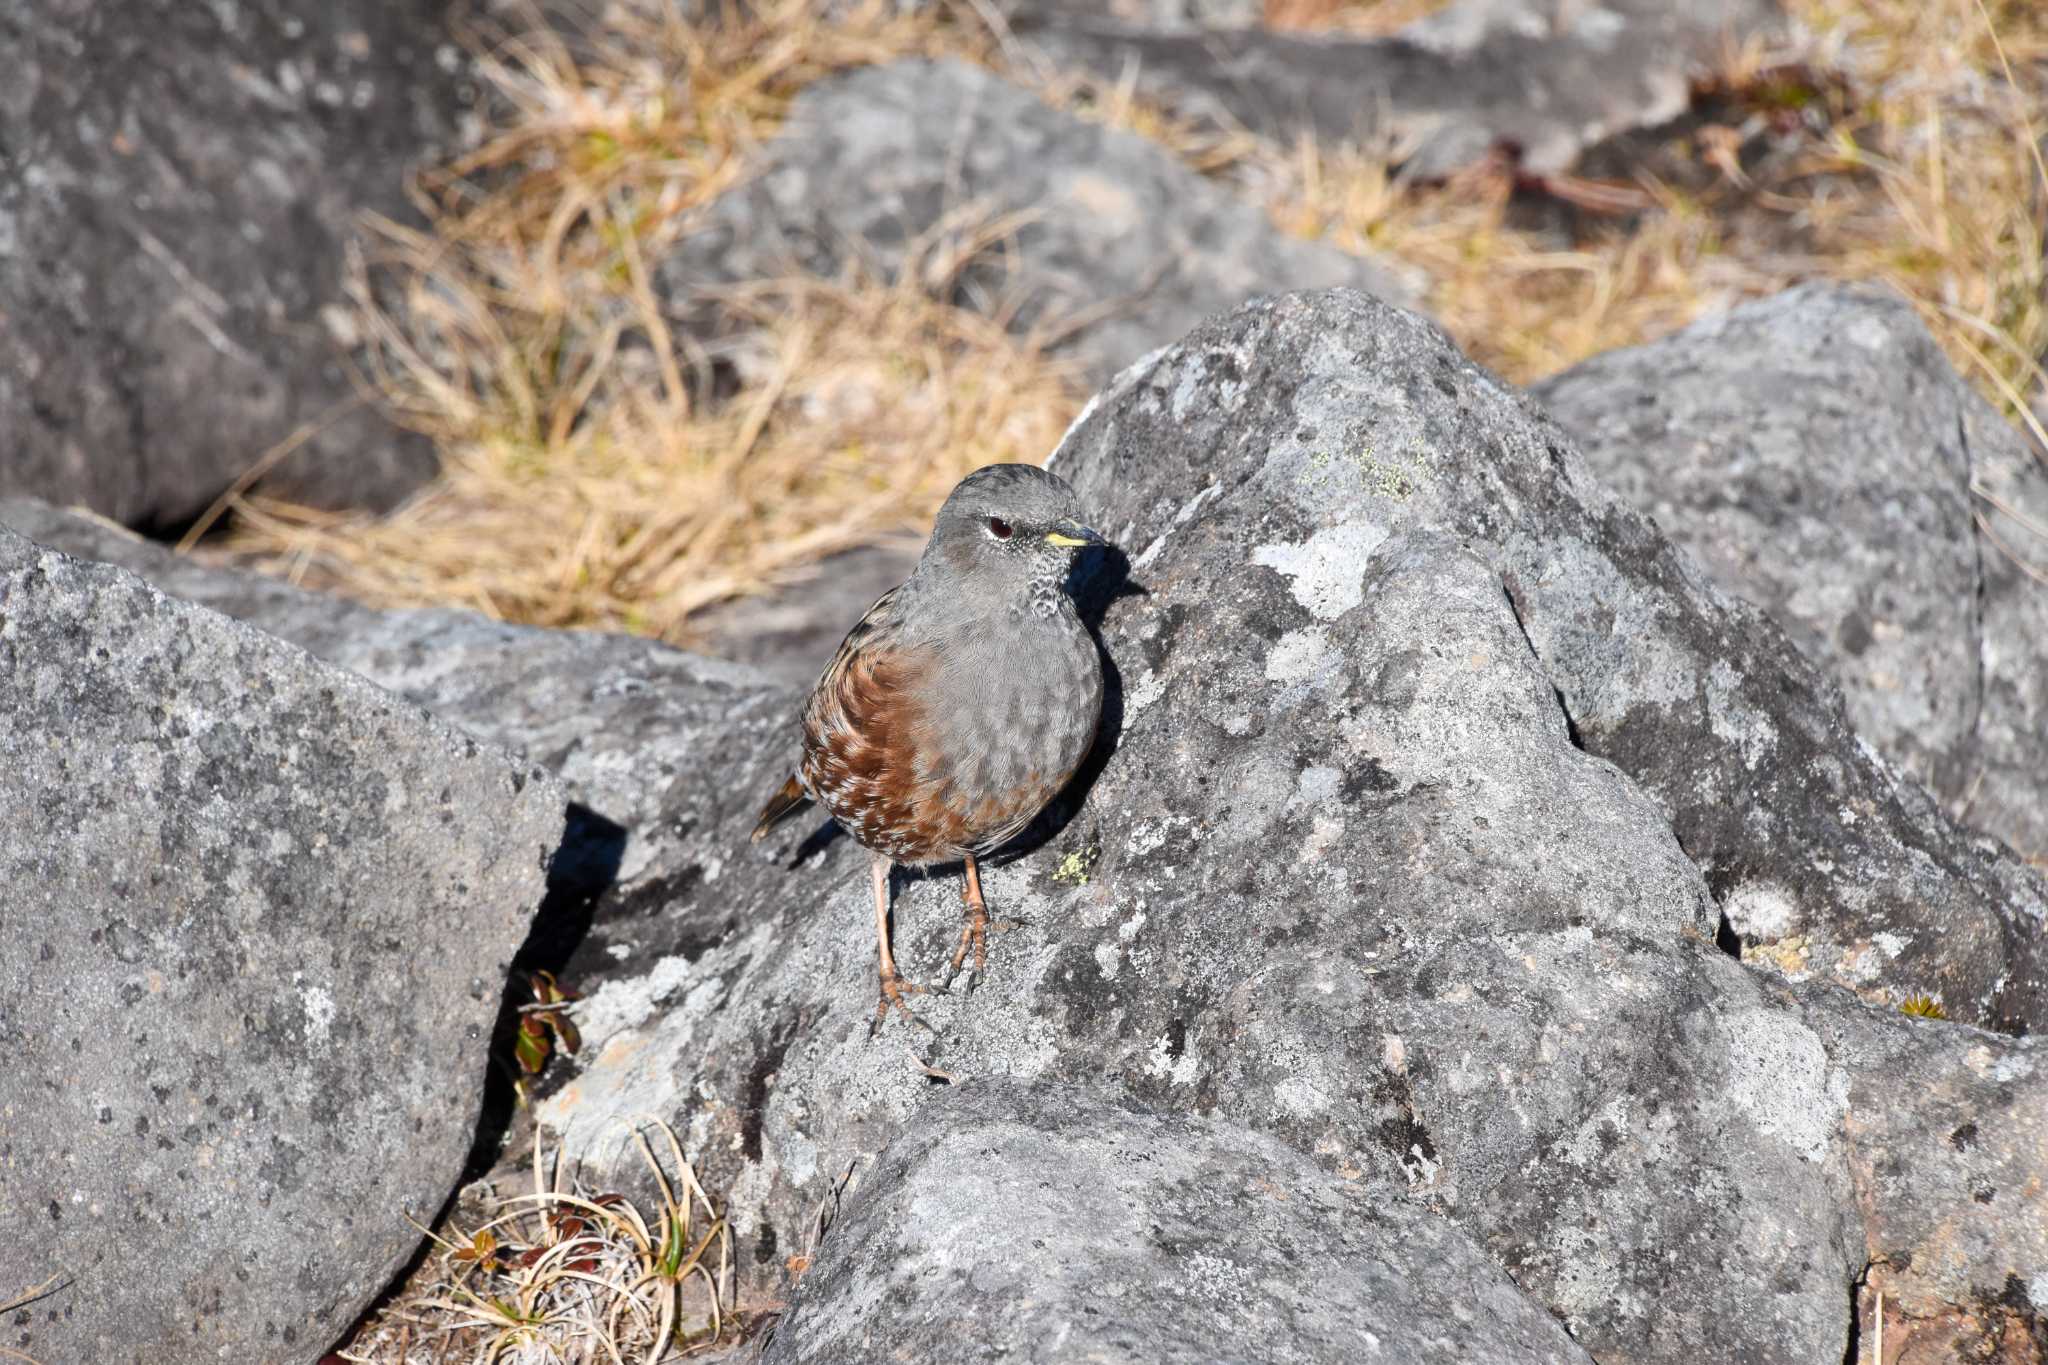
(973, 934)
(894, 989)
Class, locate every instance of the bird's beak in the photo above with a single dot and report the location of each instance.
(1071, 534)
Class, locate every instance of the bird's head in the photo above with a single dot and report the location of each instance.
(1010, 524)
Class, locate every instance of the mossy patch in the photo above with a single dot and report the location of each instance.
(1074, 868)
(1398, 477)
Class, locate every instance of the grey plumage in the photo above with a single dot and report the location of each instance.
(964, 699)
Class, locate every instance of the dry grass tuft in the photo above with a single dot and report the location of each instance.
(1350, 18)
(1947, 136)
(861, 405)
(1894, 141)
(569, 1276)
(598, 473)
(1519, 300)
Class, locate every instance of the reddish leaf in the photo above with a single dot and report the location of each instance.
(481, 1248)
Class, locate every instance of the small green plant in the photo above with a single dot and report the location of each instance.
(1922, 1006)
(545, 1025)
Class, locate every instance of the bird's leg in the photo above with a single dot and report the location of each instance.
(894, 987)
(975, 931)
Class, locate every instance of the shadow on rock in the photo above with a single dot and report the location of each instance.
(581, 871)
(817, 842)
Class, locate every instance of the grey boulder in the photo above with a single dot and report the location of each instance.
(181, 181)
(1548, 80)
(1818, 455)
(1803, 833)
(1117, 236)
(626, 724)
(256, 915)
(1350, 872)
(1048, 1222)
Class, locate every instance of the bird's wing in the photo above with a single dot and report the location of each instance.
(867, 734)
(823, 711)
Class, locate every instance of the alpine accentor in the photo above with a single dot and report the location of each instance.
(963, 700)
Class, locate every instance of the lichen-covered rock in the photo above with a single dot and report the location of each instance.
(182, 181)
(1110, 237)
(1046, 1222)
(256, 916)
(1946, 1134)
(627, 724)
(1819, 456)
(1350, 871)
(1361, 421)
(1545, 79)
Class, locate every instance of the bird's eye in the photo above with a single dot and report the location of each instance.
(999, 528)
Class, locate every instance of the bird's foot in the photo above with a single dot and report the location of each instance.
(894, 989)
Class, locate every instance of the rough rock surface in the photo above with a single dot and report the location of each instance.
(915, 158)
(1048, 1222)
(1817, 453)
(1546, 78)
(256, 916)
(787, 636)
(180, 182)
(1346, 873)
(1946, 1134)
(627, 724)
(1808, 841)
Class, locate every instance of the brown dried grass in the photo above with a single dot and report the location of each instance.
(590, 479)
(1920, 170)
(1951, 140)
(863, 404)
(1351, 18)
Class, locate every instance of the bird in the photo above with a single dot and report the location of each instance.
(961, 703)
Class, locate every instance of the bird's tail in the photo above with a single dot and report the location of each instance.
(790, 798)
